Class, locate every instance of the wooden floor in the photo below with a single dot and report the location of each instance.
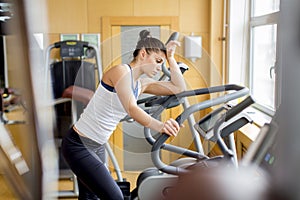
(66, 184)
(5, 191)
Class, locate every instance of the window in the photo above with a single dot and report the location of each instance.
(252, 49)
(265, 7)
(263, 35)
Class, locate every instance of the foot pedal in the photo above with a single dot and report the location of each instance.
(125, 188)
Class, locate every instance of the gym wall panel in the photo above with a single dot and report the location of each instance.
(99, 8)
(194, 16)
(84, 16)
(194, 19)
(67, 16)
(156, 8)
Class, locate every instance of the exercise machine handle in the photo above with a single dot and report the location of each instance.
(238, 108)
(159, 144)
(225, 117)
(239, 91)
(173, 36)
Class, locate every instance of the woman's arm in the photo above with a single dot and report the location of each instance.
(176, 83)
(122, 85)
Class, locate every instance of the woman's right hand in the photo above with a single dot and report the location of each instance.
(171, 48)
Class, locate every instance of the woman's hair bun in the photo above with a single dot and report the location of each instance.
(149, 43)
(144, 34)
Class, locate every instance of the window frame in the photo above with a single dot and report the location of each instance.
(256, 21)
(239, 50)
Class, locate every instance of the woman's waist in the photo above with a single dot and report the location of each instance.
(78, 132)
(95, 133)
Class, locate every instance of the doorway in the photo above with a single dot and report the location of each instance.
(113, 29)
(135, 146)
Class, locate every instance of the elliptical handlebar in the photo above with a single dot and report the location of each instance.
(238, 108)
(239, 92)
(235, 110)
(160, 142)
(173, 36)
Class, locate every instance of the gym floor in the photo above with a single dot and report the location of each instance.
(7, 194)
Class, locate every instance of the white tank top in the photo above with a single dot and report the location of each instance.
(103, 113)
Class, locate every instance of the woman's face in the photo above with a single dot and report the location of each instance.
(153, 62)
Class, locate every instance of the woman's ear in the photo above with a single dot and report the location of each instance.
(143, 53)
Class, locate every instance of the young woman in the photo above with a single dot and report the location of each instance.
(115, 98)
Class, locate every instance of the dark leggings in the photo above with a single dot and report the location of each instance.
(84, 157)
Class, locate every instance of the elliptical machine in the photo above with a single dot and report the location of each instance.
(153, 183)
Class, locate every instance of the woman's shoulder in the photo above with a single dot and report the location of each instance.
(119, 67)
(115, 72)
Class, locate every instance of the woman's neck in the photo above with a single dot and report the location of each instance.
(136, 70)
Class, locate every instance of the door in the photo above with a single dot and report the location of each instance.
(115, 51)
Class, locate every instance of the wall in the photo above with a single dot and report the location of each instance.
(198, 17)
(84, 16)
